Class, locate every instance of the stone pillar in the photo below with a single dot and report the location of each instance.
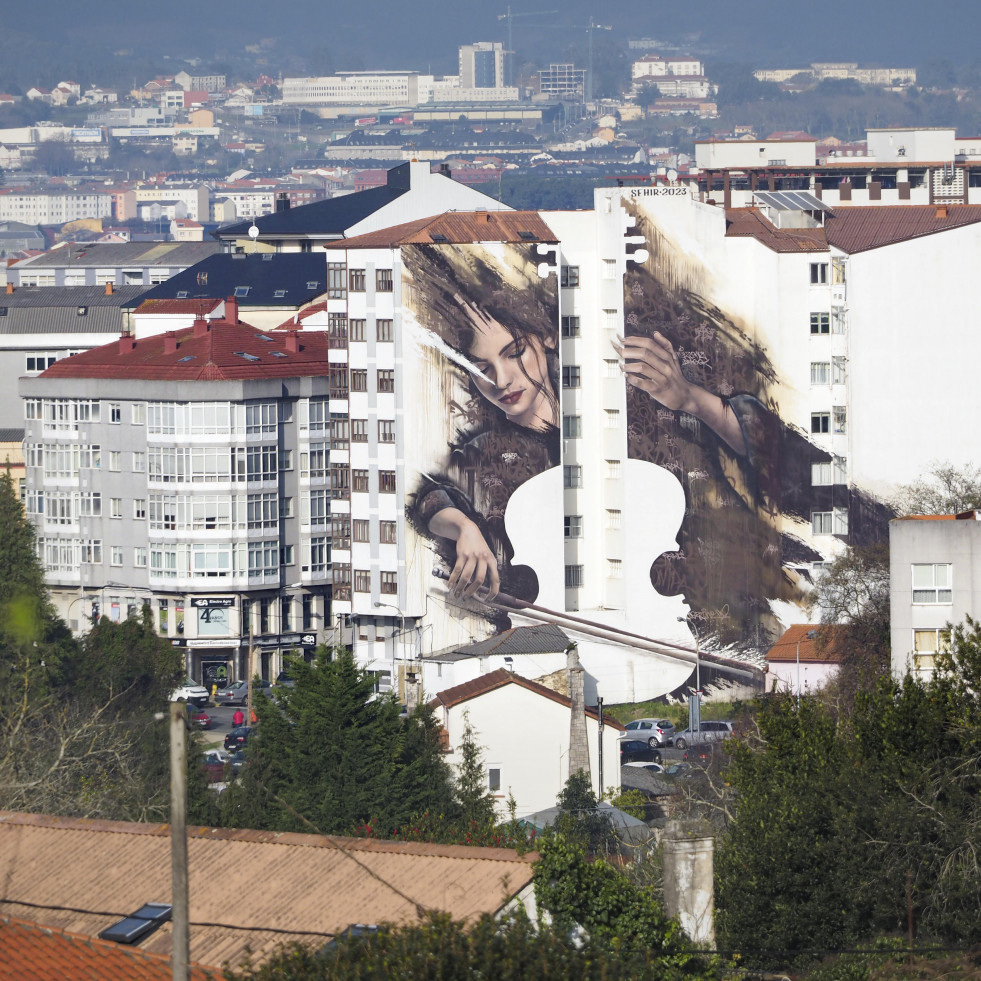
(688, 881)
(578, 745)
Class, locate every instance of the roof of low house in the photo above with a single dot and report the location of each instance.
(544, 638)
(255, 889)
(105, 254)
(256, 279)
(494, 680)
(65, 309)
(28, 950)
(859, 228)
(750, 223)
(455, 227)
(808, 636)
(209, 351)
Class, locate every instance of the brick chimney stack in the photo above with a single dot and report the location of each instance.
(108, 289)
(127, 343)
(293, 341)
(201, 327)
(170, 342)
(578, 744)
(231, 310)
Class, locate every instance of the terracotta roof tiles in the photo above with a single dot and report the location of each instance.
(860, 228)
(750, 223)
(808, 636)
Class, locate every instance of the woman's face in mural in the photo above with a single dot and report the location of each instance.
(515, 372)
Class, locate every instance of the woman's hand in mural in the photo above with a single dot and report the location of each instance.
(651, 364)
(476, 564)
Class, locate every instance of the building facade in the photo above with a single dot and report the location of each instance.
(188, 471)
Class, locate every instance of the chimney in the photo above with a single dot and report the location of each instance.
(127, 343)
(578, 745)
(941, 211)
(293, 341)
(108, 289)
(170, 342)
(10, 288)
(483, 217)
(201, 327)
(231, 310)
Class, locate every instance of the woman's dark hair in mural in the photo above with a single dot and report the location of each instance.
(501, 319)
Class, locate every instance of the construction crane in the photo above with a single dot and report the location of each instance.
(508, 16)
(589, 28)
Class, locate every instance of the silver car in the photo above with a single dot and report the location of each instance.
(656, 732)
(709, 732)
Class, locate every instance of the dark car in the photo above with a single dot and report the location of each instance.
(637, 750)
(237, 760)
(237, 693)
(237, 738)
(699, 753)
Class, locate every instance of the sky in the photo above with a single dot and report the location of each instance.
(425, 34)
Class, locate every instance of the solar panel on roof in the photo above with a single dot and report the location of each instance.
(791, 201)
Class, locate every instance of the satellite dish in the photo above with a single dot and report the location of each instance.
(672, 176)
(253, 234)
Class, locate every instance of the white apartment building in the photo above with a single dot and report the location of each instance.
(933, 585)
(54, 207)
(482, 65)
(383, 88)
(655, 67)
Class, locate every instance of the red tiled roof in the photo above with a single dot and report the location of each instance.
(807, 635)
(860, 228)
(28, 950)
(498, 679)
(456, 227)
(750, 223)
(215, 351)
(199, 307)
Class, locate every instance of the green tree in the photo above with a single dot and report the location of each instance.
(442, 949)
(946, 489)
(475, 801)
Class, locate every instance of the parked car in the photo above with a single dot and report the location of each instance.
(237, 693)
(645, 766)
(284, 680)
(657, 732)
(679, 771)
(708, 732)
(237, 760)
(698, 753)
(190, 691)
(214, 761)
(199, 718)
(632, 750)
(237, 738)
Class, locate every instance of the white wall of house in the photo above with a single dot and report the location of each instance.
(525, 736)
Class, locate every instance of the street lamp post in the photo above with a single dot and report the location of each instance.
(695, 718)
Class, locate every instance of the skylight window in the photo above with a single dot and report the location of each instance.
(278, 354)
(438, 237)
(267, 257)
(279, 294)
(264, 337)
(137, 925)
(187, 357)
(528, 236)
(312, 284)
(247, 356)
(182, 294)
(241, 291)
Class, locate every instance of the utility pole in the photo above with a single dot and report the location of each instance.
(599, 743)
(180, 916)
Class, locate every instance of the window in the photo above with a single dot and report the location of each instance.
(339, 482)
(359, 481)
(613, 519)
(389, 532)
(570, 326)
(386, 481)
(820, 323)
(820, 372)
(613, 469)
(286, 613)
(494, 779)
(614, 568)
(116, 555)
(822, 474)
(360, 528)
(115, 507)
(819, 273)
(932, 583)
(386, 431)
(572, 427)
(820, 422)
(612, 418)
(572, 475)
(139, 462)
(571, 376)
(356, 329)
(39, 362)
(839, 371)
(385, 330)
(926, 645)
(261, 418)
(340, 531)
(386, 380)
(139, 557)
(573, 577)
(839, 419)
(340, 433)
(115, 413)
(821, 522)
(359, 380)
(389, 582)
(356, 280)
(362, 581)
(115, 458)
(383, 280)
(573, 526)
(319, 556)
(359, 430)
(336, 280)
(609, 269)
(569, 276)
(611, 368)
